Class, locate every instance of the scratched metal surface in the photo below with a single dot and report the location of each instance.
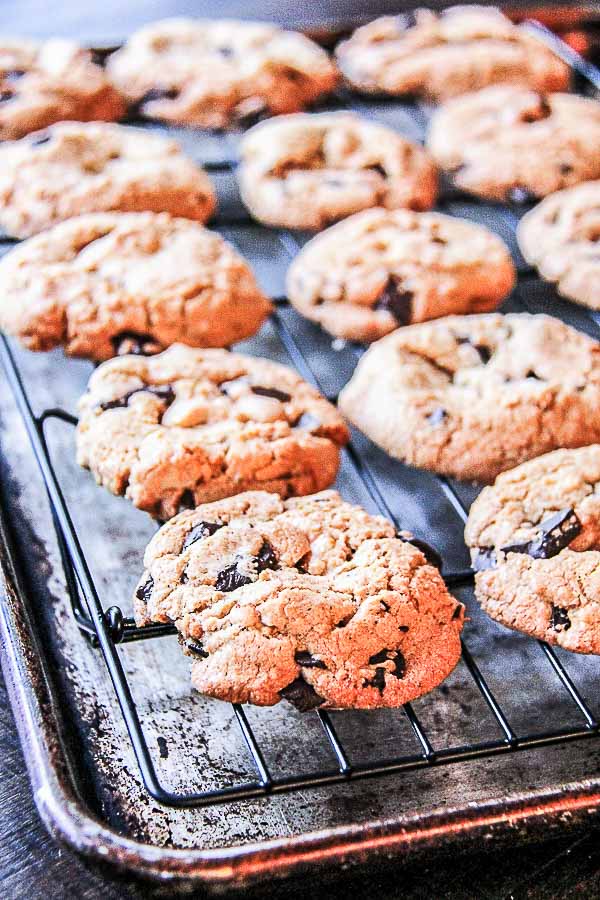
(196, 743)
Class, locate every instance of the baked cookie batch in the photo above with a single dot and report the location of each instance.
(278, 587)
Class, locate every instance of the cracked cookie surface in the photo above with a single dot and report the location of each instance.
(108, 283)
(378, 270)
(219, 73)
(440, 55)
(338, 161)
(188, 426)
(560, 237)
(74, 168)
(535, 545)
(43, 83)
(311, 600)
(471, 396)
(515, 145)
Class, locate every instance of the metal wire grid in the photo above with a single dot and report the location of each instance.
(107, 628)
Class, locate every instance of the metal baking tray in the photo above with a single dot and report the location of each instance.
(130, 766)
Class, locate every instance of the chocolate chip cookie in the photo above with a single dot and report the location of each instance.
(74, 168)
(511, 144)
(43, 83)
(307, 171)
(189, 426)
(535, 545)
(440, 55)
(219, 73)
(111, 283)
(310, 600)
(560, 237)
(377, 270)
(471, 396)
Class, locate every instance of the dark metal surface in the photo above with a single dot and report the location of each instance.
(510, 694)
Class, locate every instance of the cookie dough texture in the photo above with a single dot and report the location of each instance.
(74, 168)
(101, 283)
(441, 55)
(310, 600)
(44, 83)
(471, 396)
(512, 144)
(188, 426)
(309, 170)
(377, 270)
(560, 238)
(535, 541)
(219, 73)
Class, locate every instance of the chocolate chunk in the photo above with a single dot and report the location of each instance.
(282, 396)
(396, 301)
(304, 658)
(187, 500)
(301, 695)
(131, 342)
(163, 392)
(457, 611)
(520, 195)
(309, 421)
(230, 579)
(429, 552)
(559, 618)
(200, 531)
(266, 558)
(196, 648)
(144, 592)
(377, 681)
(437, 416)
(531, 374)
(158, 94)
(399, 664)
(485, 354)
(556, 533)
(484, 558)
(377, 168)
(403, 628)
(41, 138)
(395, 656)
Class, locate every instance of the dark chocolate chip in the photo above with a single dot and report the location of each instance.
(158, 94)
(230, 579)
(429, 552)
(282, 396)
(377, 681)
(42, 138)
(304, 658)
(531, 374)
(131, 342)
(200, 531)
(301, 695)
(163, 392)
(345, 621)
(377, 168)
(187, 500)
(565, 169)
(380, 657)
(144, 592)
(555, 534)
(457, 611)
(484, 558)
(520, 195)
(5, 96)
(559, 619)
(196, 648)
(403, 628)
(436, 416)
(396, 301)
(399, 664)
(485, 354)
(266, 558)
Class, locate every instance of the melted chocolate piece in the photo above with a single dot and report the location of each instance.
(485, 354)
(163, 392)
(301, 695)
(266, 558)
(230, 579)
(437, 416)
(559, 618)
(556, 533)
(378, 680)
(429, 552)
(532, 374)
(131, 342)
(457, 611)
(520, 195)
(484, 558)
(144, 592)
(304, 658)
(196, 648)
(396, 301)
(395, 656)
(200, 531)
(282, 396)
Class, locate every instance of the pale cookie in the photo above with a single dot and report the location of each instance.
(440, 55)
(43, 83)
(535, 544)
(511, 144)
(307, 171)
(377, 270)
(561, 236)
(310, 600)
(74, 168)
(219, 73)
(470, 396)
(189, 426)
(113, 283)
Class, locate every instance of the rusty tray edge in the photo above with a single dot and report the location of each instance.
(65, 815)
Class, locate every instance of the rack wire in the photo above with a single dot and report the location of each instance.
(107, 628)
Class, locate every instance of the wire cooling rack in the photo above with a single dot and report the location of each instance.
(107, 628)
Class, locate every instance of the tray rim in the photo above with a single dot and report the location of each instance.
(65, 815)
